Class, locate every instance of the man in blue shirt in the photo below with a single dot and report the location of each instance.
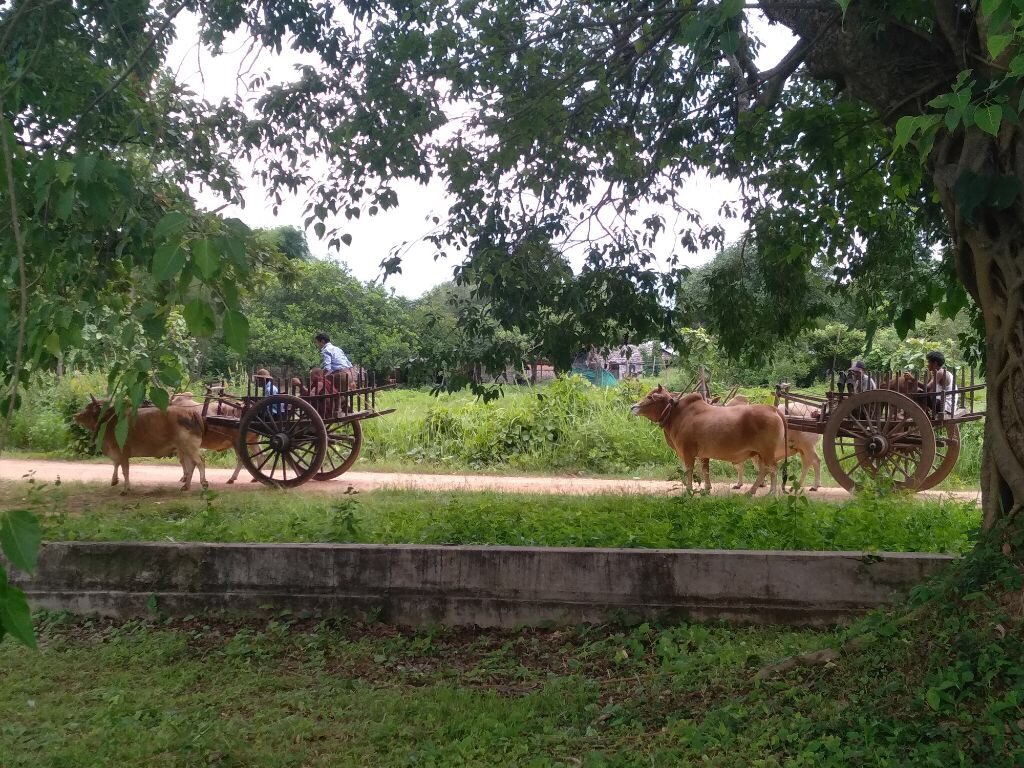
(332, 359)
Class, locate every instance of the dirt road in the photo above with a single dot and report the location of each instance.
(156, 475)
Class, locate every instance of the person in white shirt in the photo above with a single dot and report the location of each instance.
(862, 381)
(941, 382)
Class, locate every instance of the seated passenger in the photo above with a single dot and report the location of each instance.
(941, 382)
(861, 379)
(323, 393)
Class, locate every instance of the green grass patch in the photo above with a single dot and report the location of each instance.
(893, 523)
(940, 684)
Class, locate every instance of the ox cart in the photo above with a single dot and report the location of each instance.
(288, 434)
(898, 432)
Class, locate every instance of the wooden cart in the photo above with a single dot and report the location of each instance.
(896, 432)
(288, 438)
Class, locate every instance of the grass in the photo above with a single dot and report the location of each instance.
(564, 427)
(938, 684)
(288, 693)
(867, 522)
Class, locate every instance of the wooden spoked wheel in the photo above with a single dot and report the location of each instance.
(344, 439)
(879, 435)
(947, 451)
(282, 441)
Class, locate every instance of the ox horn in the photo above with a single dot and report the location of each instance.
(93, 398)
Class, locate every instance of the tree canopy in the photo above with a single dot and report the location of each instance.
(889, 129)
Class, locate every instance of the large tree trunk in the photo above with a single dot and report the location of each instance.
(896, 70)
(990, 259)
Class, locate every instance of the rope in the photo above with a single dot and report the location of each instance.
(785, 445)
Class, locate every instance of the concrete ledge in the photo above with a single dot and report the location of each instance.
(484, 586)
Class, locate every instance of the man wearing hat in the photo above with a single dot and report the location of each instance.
(941, 382)
(862, 381)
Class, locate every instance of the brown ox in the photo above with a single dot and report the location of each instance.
(803, 444)
(216, 437)
(151, 432)
(695, 429)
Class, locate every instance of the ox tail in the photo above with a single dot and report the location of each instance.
(192, 423)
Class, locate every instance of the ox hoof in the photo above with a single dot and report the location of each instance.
(813, 488)
(231, 481)
(737, 486)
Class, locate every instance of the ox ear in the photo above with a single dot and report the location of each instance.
(660, 388)
(92, 397)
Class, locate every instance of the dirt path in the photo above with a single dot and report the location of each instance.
(155, 475)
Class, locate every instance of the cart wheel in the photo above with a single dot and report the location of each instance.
(879, 434)
(947, 451)
(282, 441)
(344, 439)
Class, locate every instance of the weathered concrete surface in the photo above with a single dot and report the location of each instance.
(484, 586)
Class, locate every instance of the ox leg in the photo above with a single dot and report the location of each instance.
(688, 463)
(202, 469)
(117, 465)
(124, 471)
(762, 470)
(705, 473)
(188, 468)
(740, 468)
(238, 468)
(816, 463)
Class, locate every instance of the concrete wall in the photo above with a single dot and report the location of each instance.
(485, 586)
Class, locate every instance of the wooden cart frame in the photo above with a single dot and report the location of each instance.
(892, 433)
(291, 437)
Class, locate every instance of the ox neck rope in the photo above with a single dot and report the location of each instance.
(665, 414)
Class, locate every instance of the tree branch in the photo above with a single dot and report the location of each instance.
(19, 249)
(120, 78)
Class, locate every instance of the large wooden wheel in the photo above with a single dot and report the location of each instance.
(344, 439)
(879, 435)
(947, 451)
(282, 441)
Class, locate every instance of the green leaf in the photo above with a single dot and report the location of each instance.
(731, 8)
(121, 430)
(319, 229)
(988, 7)
(65, 203)
(85, 165)
(206, 258)
(346, 239)
(52, 344)
(988, 118)
(1003, 191)
(19, 538)
(997, 44)
(15, 616)
(236, 331)
(168, 261)
(159, 397)
(952, 119)
(933, 698)
(969, 191)
(64, 170)
(229, 292)
(905, 128)
(199, 317)
(173, 223)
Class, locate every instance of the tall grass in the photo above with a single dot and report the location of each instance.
(566, 426)
(865, 522)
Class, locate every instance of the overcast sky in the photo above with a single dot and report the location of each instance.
(373, 238)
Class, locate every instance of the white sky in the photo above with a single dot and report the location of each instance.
(373, 238)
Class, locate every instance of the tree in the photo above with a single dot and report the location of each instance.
(880, 115)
